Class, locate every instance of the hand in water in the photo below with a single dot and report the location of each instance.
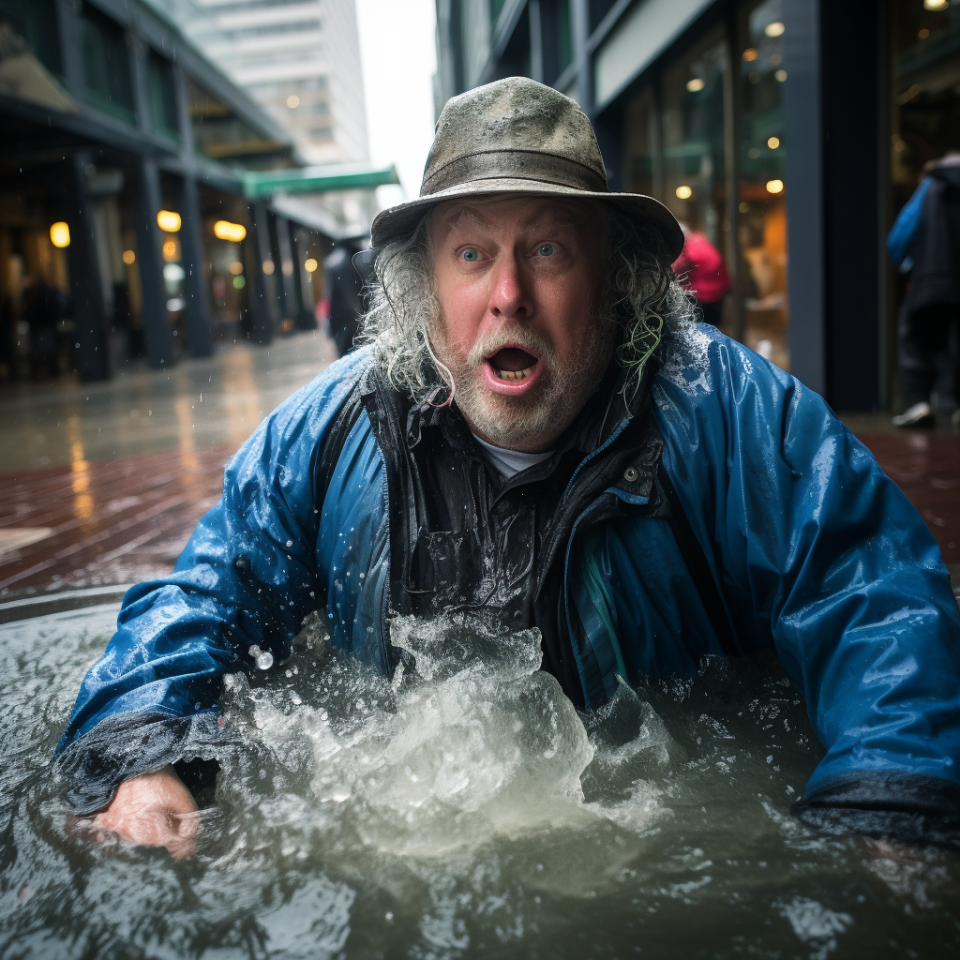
(154, 810)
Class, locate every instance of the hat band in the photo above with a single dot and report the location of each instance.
(514, 165)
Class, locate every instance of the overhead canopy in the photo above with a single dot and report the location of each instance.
(341, 176)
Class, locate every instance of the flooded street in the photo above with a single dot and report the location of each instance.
(463, 811)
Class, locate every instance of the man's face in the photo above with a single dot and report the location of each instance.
(518, 281)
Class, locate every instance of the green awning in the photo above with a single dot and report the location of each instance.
(342, 176)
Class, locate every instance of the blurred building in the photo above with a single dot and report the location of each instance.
(789, 131)
(149, 207)
(300, 60)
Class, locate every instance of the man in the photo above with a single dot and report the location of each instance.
(538, 434)
(925, 243)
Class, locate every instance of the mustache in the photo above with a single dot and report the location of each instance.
(513, 336)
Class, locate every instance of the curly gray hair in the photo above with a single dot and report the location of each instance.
(641, 296)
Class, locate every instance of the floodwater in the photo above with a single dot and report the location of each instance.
(463, 810)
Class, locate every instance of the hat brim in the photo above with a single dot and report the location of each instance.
(401, 220)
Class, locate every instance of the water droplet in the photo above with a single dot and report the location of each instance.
(265, 660)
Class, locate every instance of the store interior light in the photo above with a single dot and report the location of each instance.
(781, 75)
(684, 192)
(750, 54)
(236, 268)
(170, 250)
(268, 267)
(695, 85)
(774, 186)
(293, 101)
(774, 29)
(311, 265)
(168, 221)
(60, 234)
(773, 143)
(225, 230)
(129, 257)
(936, 4)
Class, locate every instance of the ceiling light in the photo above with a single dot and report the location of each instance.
(60, 234)
(695, 85)
(225, 230)
(774, 186)
(168, 221)
(774, 29)
(684, 192)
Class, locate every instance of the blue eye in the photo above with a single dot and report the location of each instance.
(547, 250)
(470, 255)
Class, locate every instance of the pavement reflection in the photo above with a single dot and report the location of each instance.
(103, 483)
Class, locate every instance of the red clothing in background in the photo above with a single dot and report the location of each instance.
(701, 267)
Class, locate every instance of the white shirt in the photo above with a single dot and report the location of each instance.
(510, 462)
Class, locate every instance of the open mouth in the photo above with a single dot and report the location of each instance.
(512, 364)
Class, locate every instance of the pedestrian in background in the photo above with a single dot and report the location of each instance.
(348, 270)
(925, 242)
(700, 266)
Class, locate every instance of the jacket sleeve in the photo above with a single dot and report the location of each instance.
(247, 577)
(904, 230)
(817, 551)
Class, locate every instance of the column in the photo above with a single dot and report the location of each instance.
(306, 318)
(292, 301)
(580, 17)
(853, 230)
(803, 120)
(85, 287)
(264, 308)
(146, 205)
(197, 314)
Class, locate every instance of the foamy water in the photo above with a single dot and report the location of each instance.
(464, 809)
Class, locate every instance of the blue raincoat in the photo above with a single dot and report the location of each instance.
(812, 549)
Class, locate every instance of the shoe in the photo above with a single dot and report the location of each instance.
(919, 415)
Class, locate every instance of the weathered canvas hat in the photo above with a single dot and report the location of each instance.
(518, 136)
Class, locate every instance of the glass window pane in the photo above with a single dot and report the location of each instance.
(106, 65)
(163, 99)
(694, 166)
(642, 166)
(762, 188)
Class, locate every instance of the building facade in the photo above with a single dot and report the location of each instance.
(299, 59)
(149, 207)
(790, 132)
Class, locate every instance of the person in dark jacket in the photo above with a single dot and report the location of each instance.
(925, 242)
(348, 271)
(538, 434)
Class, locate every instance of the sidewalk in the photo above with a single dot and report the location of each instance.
(103, 484)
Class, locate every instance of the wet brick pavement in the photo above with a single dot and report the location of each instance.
(103, 485)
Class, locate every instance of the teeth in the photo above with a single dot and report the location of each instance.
(514, 374)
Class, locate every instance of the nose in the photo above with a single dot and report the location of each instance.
(511, 297)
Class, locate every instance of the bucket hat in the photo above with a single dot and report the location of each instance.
(518, 136)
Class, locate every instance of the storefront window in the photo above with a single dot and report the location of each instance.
(925, 108)
(694, 167)
(762, 189)
(642, 168)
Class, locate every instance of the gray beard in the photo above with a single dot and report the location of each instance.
(534, 422)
